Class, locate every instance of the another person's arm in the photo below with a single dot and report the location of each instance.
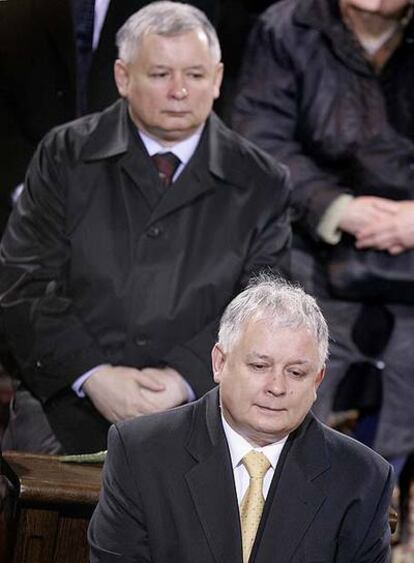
(267, 111)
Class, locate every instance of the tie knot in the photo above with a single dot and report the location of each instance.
(256, 464)
(166, 163)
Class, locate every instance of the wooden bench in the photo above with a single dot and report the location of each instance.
(47, 509)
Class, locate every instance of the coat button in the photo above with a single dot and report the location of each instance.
(141, 341)
(154, 231)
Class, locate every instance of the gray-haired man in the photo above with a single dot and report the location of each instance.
(119, 259)
(246, 473)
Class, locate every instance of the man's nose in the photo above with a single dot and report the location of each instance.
(178, 88)
(276, 383)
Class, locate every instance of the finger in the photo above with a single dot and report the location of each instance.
(396, 249)
(150, 379)
(386, 205)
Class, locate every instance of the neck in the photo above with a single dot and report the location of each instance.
(368, 24)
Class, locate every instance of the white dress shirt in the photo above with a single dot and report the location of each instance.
(184, 150)
(101, 9)
(239, 447)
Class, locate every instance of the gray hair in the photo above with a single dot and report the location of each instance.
(284, 304)
(168, 19)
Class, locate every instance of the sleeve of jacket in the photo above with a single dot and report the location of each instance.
(268, 252)
(372, 528)
(117, 529)
(267, 111)
(47, 337)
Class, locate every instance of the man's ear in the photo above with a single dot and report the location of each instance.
(121, 75)
(218, 359)
(318, 380)
(218, 78)
(320, 377)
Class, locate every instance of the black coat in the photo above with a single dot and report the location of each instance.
(98, 267)
(38, 76)
(169, 495)
(310, 98)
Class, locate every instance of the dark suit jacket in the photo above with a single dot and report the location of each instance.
(38, 76)
(98, 265)
(169, 495)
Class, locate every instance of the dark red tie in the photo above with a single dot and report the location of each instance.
(166, 163)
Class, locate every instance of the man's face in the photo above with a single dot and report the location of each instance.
(268, 380)
(170, 85)
(385, 8)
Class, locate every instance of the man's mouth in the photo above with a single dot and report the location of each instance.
(271, 409)
(174, 113)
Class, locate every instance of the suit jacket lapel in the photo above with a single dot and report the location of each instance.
(212, 486)
(57, 18)
(296, 496)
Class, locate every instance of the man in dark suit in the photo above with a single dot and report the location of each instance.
(184, 485)
(113, 275)
(39, 77)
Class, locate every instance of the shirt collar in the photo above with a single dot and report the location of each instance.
(239, 446)
(184, 150)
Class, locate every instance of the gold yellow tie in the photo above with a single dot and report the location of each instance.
(251, 507)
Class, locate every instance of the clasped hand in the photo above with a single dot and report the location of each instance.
(380, 223)
(120, 393)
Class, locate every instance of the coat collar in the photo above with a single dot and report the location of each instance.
(324, 16)
(111, 137)
(217, 161)
(297, 491)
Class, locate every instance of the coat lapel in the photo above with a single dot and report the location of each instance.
(213, 166)
(211, 484)
(194, 181)
(57, 18)
(296, 497)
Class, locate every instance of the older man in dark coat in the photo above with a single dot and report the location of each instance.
(39, 75)
(113, 272)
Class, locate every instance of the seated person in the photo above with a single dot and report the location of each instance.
(246, 473)
(115, 267)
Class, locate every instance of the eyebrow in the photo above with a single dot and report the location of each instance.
(259, 356)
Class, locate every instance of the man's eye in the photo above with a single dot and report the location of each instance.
(158, 74)
(196, 75)
(296, 373)
(258, 367)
